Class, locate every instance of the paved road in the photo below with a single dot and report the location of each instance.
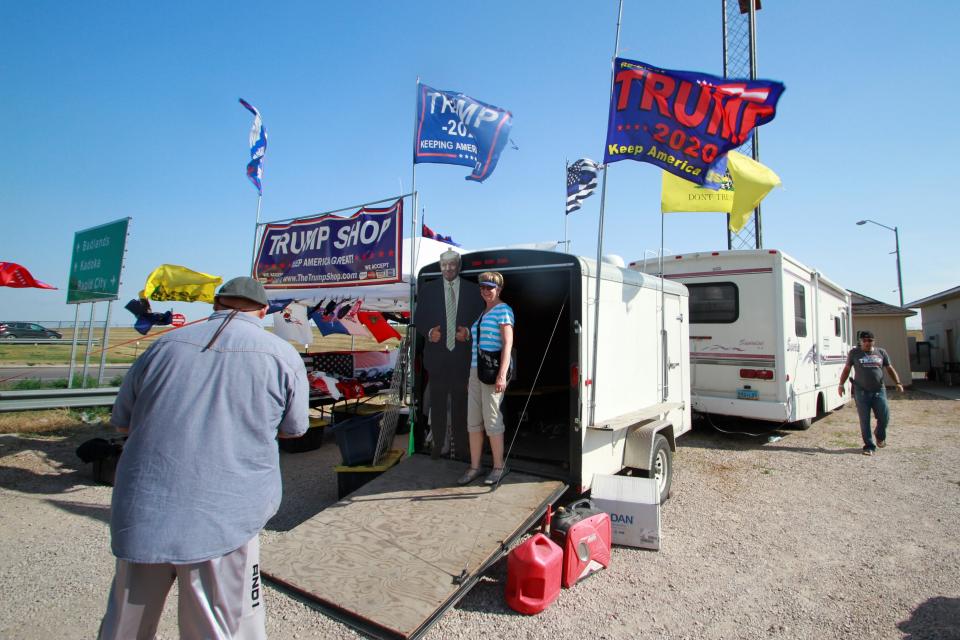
(59, 372)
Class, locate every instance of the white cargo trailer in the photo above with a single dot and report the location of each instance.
(768, 335)
(410, 543)
(642, 377)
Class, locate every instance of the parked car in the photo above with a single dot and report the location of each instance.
(26, 330)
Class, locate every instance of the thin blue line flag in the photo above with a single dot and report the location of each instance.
(258, 147)
(581, 182)
(453, 128)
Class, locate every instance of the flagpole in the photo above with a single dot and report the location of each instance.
(256, 232)
(566, 215)
(603, 201)
(414, 249)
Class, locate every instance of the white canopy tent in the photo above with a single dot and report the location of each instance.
(393, 297)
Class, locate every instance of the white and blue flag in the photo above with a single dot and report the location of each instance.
(453, 128)
(581, 182)
(258, 147)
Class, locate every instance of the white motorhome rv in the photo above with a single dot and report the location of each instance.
(768, 335)
(642, 378)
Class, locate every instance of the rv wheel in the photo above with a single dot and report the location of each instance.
(661, 468)
(802, 425)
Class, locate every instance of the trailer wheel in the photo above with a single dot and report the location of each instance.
(661, 468)
(802, 425)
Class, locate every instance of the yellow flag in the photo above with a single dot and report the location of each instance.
(173, 282)
(752, 181)
(677, 194)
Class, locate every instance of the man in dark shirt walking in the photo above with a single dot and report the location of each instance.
(869, 363)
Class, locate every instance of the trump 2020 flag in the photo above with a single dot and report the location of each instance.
(683, 121)
(453, 128)
(258, 147)
(581, 182)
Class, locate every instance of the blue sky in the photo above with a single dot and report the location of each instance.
(130, 109)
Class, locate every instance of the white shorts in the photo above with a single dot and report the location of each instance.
(483, 407)
(220, 598)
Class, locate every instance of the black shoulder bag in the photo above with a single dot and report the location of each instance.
(488, 362)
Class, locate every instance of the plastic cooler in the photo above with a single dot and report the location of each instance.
(357, 438)
(533, 575)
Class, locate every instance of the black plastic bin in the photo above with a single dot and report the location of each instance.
(357, 438)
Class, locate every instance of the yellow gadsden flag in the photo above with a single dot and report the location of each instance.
(677, 194)
(173, 282)
(752, 181)
(741, 191)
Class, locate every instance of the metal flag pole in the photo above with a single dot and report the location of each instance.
(414, 249)
(603, 201)
(73, 346)
(256, 232)
(566, 214)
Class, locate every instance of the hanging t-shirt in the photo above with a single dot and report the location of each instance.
(489, 323)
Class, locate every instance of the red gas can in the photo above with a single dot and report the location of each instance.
(584, 534)
(533, 575)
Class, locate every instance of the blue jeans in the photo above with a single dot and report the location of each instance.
(875, 401)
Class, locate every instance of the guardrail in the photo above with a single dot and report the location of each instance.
(44, 341)
(57, 398)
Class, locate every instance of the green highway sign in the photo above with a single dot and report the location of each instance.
(97, 262)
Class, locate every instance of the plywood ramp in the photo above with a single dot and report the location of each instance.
(387, 557)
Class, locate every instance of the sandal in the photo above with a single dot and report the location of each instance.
(495, 476)
(469, 476)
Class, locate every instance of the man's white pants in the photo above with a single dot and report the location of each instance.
(220, 599)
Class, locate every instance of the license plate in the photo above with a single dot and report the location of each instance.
(748, 394)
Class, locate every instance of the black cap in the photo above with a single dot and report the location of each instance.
(245, 287)
(866, 334)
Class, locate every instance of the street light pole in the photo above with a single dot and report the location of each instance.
(896, 235)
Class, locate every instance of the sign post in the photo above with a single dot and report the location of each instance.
(95, 269)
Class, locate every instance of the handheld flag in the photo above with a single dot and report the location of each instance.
(453, 128)
(683, 121)
(173, 282)
(581, 182)
(752, 181)
(17, 277)
(258, 147)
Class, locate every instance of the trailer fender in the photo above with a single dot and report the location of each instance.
(638, 450)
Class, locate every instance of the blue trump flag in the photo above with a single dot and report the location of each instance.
(453, 128)
(683, 121)
(258, 147)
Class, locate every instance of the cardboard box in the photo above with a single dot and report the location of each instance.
(634, 507)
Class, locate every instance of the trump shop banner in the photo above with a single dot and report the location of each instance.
(683, 121)
(453, 128)
(332, 251)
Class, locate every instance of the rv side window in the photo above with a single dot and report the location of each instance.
(843, 320)
(800, 310)
(714, 303)
(836, 326)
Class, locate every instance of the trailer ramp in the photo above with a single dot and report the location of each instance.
(389, 558)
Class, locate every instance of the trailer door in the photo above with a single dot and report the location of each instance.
(393, 556)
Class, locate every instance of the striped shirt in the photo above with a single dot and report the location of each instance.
(490, 337)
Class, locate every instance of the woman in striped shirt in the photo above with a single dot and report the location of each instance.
(493, 331)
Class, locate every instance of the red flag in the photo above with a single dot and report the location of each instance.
(13, 275)
(377, 324)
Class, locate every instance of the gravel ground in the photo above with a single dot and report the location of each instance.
(802, 537)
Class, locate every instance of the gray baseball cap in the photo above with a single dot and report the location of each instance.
(244, 287)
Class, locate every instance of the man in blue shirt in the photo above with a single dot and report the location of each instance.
(200, 472)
